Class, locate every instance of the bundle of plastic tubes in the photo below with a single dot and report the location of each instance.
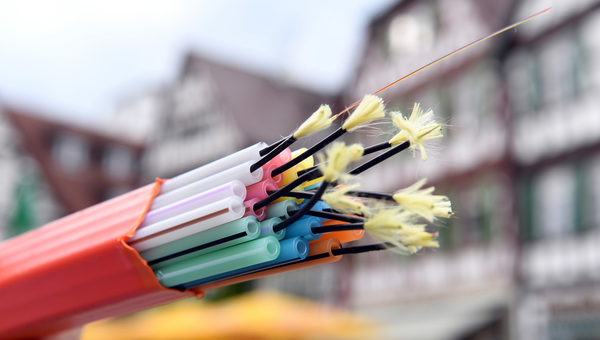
(203, 224)
(265, 207)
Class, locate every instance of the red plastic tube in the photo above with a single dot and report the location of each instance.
(78, 269)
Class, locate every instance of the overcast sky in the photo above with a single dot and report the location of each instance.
(76, 59)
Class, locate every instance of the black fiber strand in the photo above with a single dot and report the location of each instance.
(295, 194)
(311, 151)
(197, 248)
(377, 147)
(360, 249)
(332, 216)
(272, 154)
(311, 203)
(289, 187)
(338, 227)
(380, 158)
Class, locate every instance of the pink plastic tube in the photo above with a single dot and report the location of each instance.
(279, 160)
(249, 205)
(267, 170)
(259, 190)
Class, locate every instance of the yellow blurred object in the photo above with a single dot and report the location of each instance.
(305, 164)
(256, 315)
(314, 181)
(292, 174)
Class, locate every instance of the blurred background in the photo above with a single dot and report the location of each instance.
(98, 98)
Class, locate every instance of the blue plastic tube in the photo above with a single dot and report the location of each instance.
(293, 249)
(320, 206)
(303, 227)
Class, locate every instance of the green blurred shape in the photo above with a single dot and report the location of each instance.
(22, 217)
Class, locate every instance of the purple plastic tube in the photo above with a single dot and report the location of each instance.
(233, 188)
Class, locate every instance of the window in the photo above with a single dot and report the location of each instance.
(591, 190)
(525, 82)
(554, 204)
(467, 228)
(579, 64)
(581, 199)
(70, 152)
(480, 209)
(534, 86)
(525, 211)
(447, 230)
(414, 31)
(554, 62)
(486, 195)
(118, 162)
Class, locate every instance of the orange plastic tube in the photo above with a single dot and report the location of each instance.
(319, 247)
(344, 236)
(78, 269)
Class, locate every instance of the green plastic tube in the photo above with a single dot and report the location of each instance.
(281, 209)
(184, 248)
(266, 228)
(221, 261)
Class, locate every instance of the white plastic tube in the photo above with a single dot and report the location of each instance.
(251, 153)
(240, 172)
(233, 188)
(195, 221)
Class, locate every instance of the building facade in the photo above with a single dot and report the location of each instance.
(210, 110)
(519, 162)
(552, 75)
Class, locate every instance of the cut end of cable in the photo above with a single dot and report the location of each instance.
(371, 107)
(338, 156)
(417, 129)
(422, 202)
(398, 228)
(319, 120)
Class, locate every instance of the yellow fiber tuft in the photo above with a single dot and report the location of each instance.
(398, 228)
(356, 151)
(419, 128)
(318, 121)
(338, 158)
(422, 202)
(338, 200)
(370, 108)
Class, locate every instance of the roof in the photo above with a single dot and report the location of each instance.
(263, 108)
(75, 190)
